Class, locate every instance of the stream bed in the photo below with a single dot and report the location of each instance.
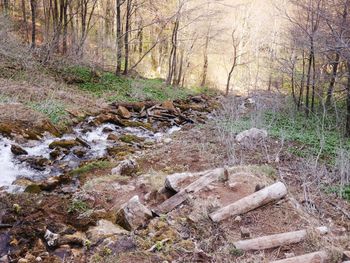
(96, 140)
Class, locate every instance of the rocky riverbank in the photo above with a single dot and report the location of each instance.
(46, 214)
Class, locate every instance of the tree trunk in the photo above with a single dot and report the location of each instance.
(206, 61)
(307, 97)
(335, 65)
(126, 37)
(65, 26)
(24, 15)
(313, 83)
(301, 92)
(173, 52)
(119, 37)
(33, 10)
(347, 133)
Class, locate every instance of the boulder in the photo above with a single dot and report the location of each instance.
(76, 239)
(51, 238)
(33, 189)
(126, 168)
(130, 138)
(251, 135)
(169, 106)
(123, 112)
(18, 150)
(107, 118)
(120, 150)
(37, 162)
(49, 127)
(112, 137)
(79, 152)
(133, 214)
(103, 230)
(55, 154)
(66, 144)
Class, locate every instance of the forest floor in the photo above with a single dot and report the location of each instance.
(79, 208)
(185, 234)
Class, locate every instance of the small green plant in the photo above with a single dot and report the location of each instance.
(92, 166)
(236, 252)
(78, 206)
(87, 244)
(17, 208)
(159, 246)
(106, 251)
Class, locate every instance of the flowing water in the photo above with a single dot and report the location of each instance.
(13, 167)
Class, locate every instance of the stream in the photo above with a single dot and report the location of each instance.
(17, 167)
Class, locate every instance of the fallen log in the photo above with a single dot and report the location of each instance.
(175, 182)
(194, 187)
(251, 202)
(316, 257)
(276, 240)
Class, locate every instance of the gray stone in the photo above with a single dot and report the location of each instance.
(103, 230)
(251, 135)
(133, 214)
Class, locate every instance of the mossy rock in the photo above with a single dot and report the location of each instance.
(120, 150)
(129, 138)
(33, 189)
(6, 129)
(49, 127)
(137, 124)
(66, 144)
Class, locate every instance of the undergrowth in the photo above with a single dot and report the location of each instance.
(120, 88)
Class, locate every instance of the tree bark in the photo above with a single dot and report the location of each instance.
(347, 130)
(319, 257)
(119, 37)
(33, 10)
(126, 37)
(276, 240)
(308, 80)
(25, 22)
(173, 52)
(333, 78)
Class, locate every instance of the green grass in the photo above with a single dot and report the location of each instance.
(54, 110)
(308, 132)
(90, 167)
(296, 127)
(342, 192)
(119, 88)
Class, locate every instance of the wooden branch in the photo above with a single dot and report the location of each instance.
(251, 202)
(194, 187)
(276, 240)
(319, 257)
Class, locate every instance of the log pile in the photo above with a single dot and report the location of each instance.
(174, 113)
